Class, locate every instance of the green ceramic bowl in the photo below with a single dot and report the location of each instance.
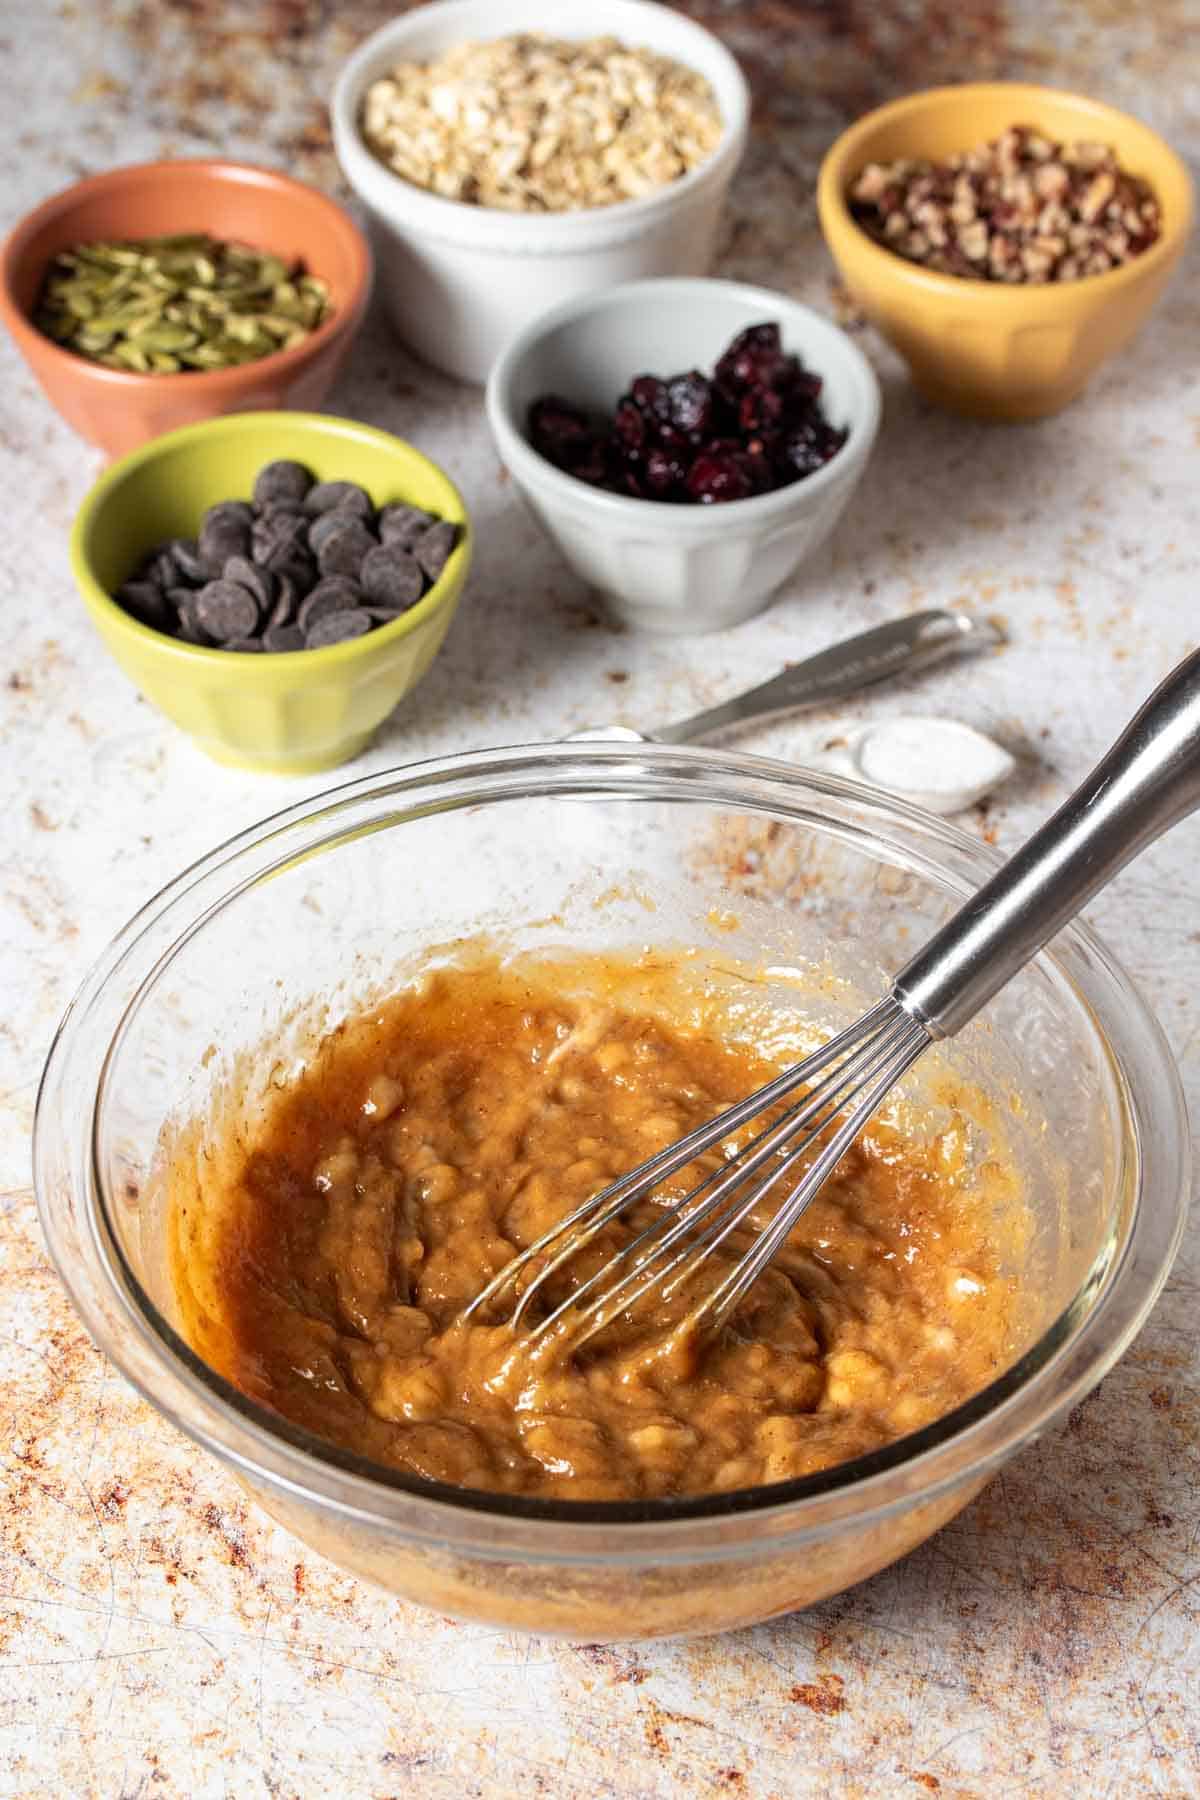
(291, 714)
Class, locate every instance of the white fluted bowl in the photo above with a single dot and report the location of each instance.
(662, 567)
(458, 280)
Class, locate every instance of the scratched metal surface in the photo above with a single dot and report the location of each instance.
(159, 1636)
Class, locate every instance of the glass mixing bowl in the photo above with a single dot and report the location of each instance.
(822, 886)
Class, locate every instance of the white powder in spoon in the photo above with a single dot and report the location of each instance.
(936, 763)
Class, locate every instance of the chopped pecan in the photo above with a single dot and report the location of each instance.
(1020, 209)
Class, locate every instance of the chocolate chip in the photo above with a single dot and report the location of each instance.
(283, 638)
(224, 533)
(321, 527)
(391, 577)
(189, 628)
(279, 515)
(403, 525)
(189, 562)
(282, 480)
(145, 602)
(301, 567)
(226, 610)
(342, 552)
(432, 550)
(338, 628)
(294, 562)
(162, 569)
(286, 602)
(231, 509)
(336, 593)
(340, 496)
(279, 529)
(259, 580)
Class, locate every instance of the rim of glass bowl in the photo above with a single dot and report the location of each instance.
(1070, 1357)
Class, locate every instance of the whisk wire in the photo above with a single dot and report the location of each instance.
(811, 1116)
(583, 1224)
(716, 1307)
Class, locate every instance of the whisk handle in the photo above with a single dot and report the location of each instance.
(1147, 782)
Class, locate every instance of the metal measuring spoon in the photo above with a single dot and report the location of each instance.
(898, 648)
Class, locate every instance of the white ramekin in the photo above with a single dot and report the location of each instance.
(664, 567)
(459, 280)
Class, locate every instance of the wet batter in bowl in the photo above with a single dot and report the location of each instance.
(324, 1269)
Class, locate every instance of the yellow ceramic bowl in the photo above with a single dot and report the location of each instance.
(978, 347)
(292, 713)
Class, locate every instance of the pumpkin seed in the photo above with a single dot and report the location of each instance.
(167, 337)
(170, 304)
(131, 357)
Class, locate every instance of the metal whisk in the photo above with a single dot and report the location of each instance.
(1147, 782)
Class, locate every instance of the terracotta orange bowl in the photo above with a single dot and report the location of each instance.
(234, 201)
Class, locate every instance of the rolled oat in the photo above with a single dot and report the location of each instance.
(531, 123)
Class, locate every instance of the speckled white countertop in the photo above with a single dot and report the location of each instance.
(158, 1635)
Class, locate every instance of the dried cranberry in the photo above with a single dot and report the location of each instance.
(758, 469)
(769, 369)
(754, 337)
(596, 468)
(630, 424)
(752, 358)
(760, 409)
(555, 426)
(649, 394)
(665, 474)
(689, 398)
(723, 446)
(805, 450)
(765, 444)
(716, 478)
(755, 426)
(787, 374)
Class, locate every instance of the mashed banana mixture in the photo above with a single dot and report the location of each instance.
(323, 1270)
